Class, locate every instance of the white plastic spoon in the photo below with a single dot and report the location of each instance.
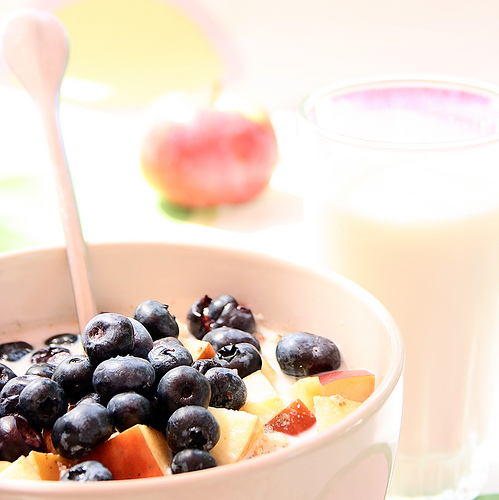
(35, 46)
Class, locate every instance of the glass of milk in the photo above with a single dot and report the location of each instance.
(402, 197)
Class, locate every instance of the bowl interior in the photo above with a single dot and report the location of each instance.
(36, 293)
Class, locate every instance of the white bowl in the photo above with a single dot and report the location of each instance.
(351, 461)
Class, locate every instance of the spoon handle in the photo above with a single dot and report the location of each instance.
(35, 47)
(75, 244)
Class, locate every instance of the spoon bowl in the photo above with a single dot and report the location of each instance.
(35, 47)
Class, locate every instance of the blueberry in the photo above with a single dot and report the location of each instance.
(18, 437)
(217, 306)
(42, 402)
(143, 340)
(158, 320)
(160, 417)
(6, 374)
(183, 386)
(224, 336)
(129, 409)
(228, 389)
(165, 356)
(107, 335)
(90, 470)
(192, 427)
(203, 365)
(91, 397)
(74, 375)
(16, 384)
(236, 316)
(81, 430)
(207, 314)
(167, 341)
(123, 374)
(12, 351)
(302, 354)
(9, 395)
(198, 320)
(50, 354)
(242, 357)
(189, 460)
(62, 339)
(41, 369)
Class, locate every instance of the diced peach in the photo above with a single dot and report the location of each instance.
(356, 385)
(137, 452)
(262, 399)
(20, 469)
(47, 439)
(200, 349)
(305, 389)
(269, 372)
(269, 442)
(4, 464)
(292, 420)
(48, 465)
(329, 410)
(239, 432)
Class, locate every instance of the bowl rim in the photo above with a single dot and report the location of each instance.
(382, 392)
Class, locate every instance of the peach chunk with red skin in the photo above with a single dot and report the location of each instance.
(356, 385)
(139, 451)
(292, 420)
(199, 349)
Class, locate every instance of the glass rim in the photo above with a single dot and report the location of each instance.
(474, 87)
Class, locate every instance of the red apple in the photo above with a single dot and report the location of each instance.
(206, 154)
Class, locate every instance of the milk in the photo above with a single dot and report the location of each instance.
(423, 237)
(402, 197)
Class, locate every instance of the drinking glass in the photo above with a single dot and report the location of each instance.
(402, 197)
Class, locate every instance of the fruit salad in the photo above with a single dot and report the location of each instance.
(148, 395)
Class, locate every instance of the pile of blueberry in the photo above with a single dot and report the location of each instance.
(137, 371)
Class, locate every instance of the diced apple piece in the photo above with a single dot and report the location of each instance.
(262, 399)
(293, 420)
(48, 465)
(305, 389)
(200, 349)
(356, 385)
(137, 452)
(20, 469)
(239, 432)
(329, 410)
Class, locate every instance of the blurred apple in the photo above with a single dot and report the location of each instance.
(205, 153)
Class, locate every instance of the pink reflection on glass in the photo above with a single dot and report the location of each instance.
(414, 114)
